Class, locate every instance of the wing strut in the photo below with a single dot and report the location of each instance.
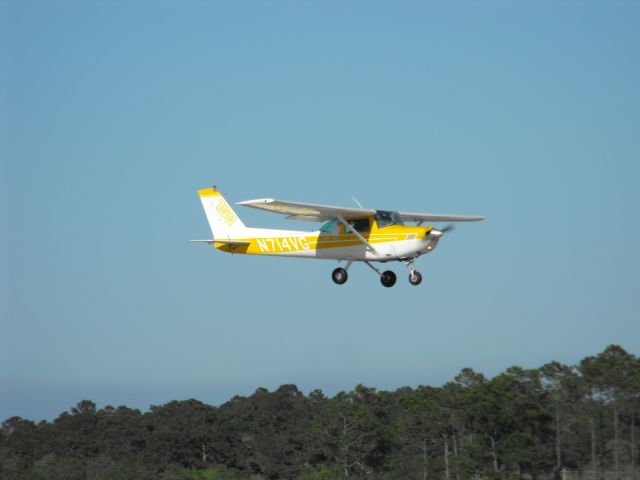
(356, 233)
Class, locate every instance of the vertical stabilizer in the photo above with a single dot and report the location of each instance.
(222, 219)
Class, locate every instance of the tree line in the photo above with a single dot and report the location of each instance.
(523, 423)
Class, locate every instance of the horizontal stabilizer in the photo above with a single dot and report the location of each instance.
(227, 242)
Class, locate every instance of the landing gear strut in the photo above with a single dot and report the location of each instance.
(387, 278)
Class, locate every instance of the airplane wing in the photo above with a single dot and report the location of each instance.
(431, 217)
(318, 213)
(307, 211)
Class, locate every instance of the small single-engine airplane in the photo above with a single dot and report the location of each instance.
(349, 234)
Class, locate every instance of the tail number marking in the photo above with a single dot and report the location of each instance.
(282, 244)
(225, 212)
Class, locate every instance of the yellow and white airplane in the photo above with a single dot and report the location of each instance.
(349, 234)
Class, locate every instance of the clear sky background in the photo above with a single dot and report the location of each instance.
(113, 114)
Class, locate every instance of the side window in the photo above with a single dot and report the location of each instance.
(360, 225)
(328, 227)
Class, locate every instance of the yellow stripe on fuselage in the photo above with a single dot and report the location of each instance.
(301, 243)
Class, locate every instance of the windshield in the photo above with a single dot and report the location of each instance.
(385, 218)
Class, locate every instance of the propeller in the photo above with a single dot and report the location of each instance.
(448, 228)
(437, 233)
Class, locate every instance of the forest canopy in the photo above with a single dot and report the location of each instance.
(523, 423)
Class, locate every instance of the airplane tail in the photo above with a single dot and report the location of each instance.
(222, 219)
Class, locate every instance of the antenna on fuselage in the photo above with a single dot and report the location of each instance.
(357, 202)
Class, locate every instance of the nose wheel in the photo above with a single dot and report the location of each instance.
(415, 278)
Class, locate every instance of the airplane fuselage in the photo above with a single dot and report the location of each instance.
(387, 243)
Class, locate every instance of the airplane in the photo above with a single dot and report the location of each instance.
(348, 234)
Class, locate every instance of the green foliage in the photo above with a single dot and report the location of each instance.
(522, 422)
(321, 472)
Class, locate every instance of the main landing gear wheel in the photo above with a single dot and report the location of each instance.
(388, 278)
(339, 275)
(415, 278)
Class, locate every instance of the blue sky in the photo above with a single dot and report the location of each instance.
(113, 113)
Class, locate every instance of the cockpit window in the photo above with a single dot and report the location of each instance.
(385, 218)
(329, 226)
(359, 224)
